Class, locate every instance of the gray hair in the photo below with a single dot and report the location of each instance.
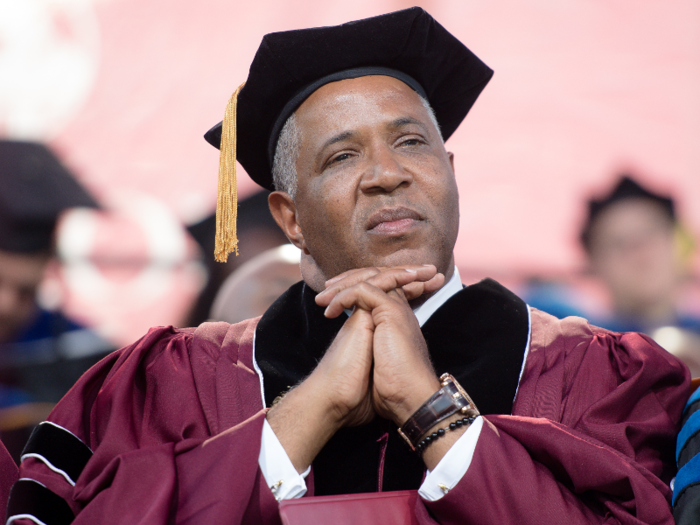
(284, 169)
(284, 166)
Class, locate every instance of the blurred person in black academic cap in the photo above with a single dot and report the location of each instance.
(257, 232)
(42, 353)
(637, 248)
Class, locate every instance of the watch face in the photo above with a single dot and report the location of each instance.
(443, 404)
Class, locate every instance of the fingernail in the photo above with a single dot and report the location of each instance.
(325, 312)
(428, 265)
(411, 271)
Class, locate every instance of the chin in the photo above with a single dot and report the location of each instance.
(411, 256)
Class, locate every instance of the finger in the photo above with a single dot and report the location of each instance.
(352, 272)
(343, 281)
(353, 276)
(416, 288)
(366, 296)
(384, 279)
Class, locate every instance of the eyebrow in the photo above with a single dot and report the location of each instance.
(405, 121)
(338, 138)
(395, 124)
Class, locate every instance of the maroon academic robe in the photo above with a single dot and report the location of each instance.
(8, 474)
(173, 424)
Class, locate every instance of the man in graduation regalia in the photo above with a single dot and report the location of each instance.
(219, 423)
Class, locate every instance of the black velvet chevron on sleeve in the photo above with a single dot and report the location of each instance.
(30, 499)
(57, 446)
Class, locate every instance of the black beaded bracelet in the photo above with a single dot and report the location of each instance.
(427, 440)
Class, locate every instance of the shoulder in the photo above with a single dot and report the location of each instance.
(162, 377)
(121, 374)
(574, 338)
(571, 359)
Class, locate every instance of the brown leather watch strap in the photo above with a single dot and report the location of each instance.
(450, 399)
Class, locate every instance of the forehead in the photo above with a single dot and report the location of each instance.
(632, 212)
(630, 218)
(357, 101)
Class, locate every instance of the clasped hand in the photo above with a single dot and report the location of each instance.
(378, 363)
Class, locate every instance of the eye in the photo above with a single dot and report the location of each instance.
(338, 159)
(411, 141)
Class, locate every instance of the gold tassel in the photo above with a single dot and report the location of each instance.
(227, 197)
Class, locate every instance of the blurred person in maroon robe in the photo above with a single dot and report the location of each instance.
(346, 126)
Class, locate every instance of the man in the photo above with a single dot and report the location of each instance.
(42, 353)
(175, 429)
(635, 246)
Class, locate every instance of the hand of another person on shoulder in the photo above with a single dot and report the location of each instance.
(403, 377)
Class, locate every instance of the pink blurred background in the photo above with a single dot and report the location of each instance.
(124, 90)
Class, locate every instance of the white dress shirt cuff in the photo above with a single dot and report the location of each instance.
(453, 465)
(279, 472)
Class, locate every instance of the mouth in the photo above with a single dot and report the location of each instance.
(393, 221)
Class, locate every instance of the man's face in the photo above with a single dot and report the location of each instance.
(375, 184)
(20, 275)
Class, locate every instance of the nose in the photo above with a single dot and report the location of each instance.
(385, 173)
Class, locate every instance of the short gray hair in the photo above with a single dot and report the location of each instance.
(284, 165)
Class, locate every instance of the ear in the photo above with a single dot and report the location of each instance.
(451, 156)
(284, 211)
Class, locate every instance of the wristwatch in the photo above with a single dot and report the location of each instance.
(450, 399)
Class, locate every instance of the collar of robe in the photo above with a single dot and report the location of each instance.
(479, 335)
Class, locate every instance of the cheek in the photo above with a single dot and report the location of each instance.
(323, 221)
(444, 198)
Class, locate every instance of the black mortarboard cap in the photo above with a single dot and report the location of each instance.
(626, 188)
(34, 189)
(290, 65)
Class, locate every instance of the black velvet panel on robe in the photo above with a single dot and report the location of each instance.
(479, 335)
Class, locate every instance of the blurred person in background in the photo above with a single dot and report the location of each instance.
(257, 232)
(251, 289)
(42, 353)
(637, 248)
